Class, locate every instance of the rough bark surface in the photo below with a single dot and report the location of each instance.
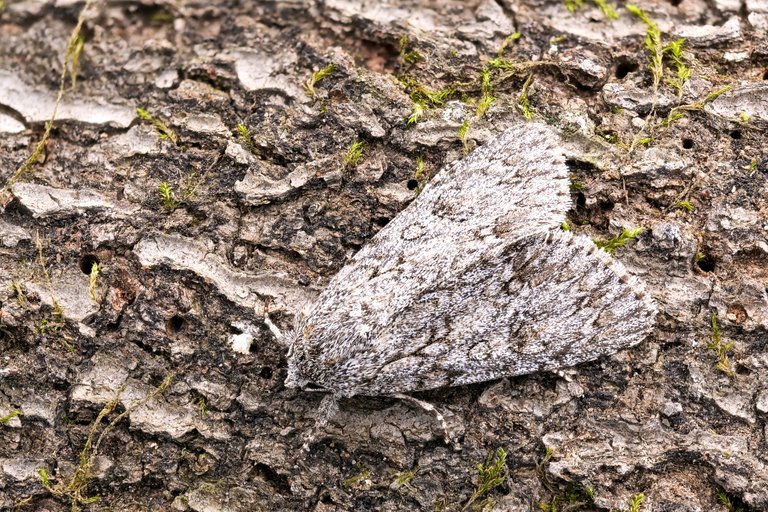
(264, 215)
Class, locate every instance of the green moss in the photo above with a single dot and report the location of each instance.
(721, 348)
(636, 502)
(420, 166)
(72, 44)
(619, 240)
(74, 490)
(362, 474)
(418, 111)
(420, 93)
(162, 16)
(575, 497)
(18, 291)
(403, 479)
(502, 63)
(610, 137)
(412, 57)
(74, 49)
(407, 53)
(490, 474)
(423, 97)
(57, 321)
(668, 60)
(672, 118)
(45, 480)
(316, 77)
(686, 205)
(522, 99)
(244, 134)
(723, 498)
(678, 112)
(652, 43)
(167, 196)
(354, 153)
(574, 5)
(487, 94)
(163, 131)
(463, 130)
(542, 464)
(511, 38)
(644, 141)
(674, 53)
(8, 417)
(608, 10)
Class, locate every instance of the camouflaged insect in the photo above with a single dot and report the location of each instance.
(473, 281)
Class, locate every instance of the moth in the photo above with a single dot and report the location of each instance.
(473, 281)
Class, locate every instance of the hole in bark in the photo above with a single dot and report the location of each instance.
(278, 481)
(266, 373)
(175, 324)
(687, 143)
(381, 221)
(675, 3)
(581, 200)
(378, 57)
(736, 313)
(86, 263)
(235, 330)
(707, 263)
(412, 184)
(626, 67)
(735, 134)
(765, 74)
(606, 205)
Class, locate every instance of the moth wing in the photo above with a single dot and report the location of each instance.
(391, 303)
(514, 185)
(541, 302)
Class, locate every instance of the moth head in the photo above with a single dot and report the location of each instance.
(296, 357)
(296, 378)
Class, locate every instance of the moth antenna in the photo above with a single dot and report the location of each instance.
(275, 330)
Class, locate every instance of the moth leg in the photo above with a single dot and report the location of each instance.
(276, 332)
(447, 434)
(328, 408)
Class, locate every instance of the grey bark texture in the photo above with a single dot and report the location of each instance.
(266, 196)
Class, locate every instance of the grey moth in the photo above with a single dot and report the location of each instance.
(475, 280)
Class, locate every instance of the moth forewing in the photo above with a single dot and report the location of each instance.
(473, 281)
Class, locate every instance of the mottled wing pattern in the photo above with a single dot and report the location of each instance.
(472, 281)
